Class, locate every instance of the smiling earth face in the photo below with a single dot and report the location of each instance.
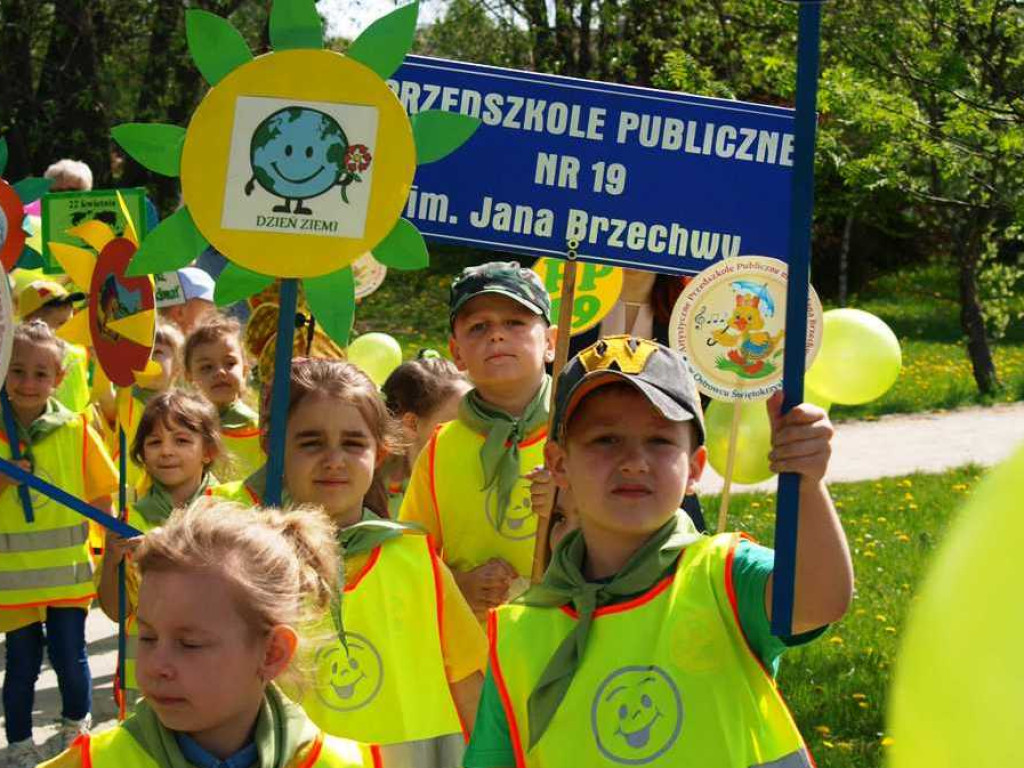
(636, 715)
(348, 682)
(520, 521)
(298, 153)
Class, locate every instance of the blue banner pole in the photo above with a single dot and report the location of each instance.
(71, 502)
(122, 598)
(279, 391)
(11, 428)
(801, 216)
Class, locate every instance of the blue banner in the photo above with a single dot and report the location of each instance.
(638, 177)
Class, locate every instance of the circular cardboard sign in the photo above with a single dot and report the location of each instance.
(730, 323)
(12, 236)
(369, 275)
(113, 297)
(597, 289)
(297, 163)
(6, 324)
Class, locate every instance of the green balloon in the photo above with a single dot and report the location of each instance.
(859, 358)
(753, 440)
(378, 354)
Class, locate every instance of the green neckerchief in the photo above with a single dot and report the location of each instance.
(156, 506)
(282, 728)
(257, 485)
(500, 453)
(237, 415)
(54, 416)
(144, 395)
(565, 583)
(370, 532)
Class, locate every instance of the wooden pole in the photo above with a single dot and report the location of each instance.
(540, 547)
(730, 465)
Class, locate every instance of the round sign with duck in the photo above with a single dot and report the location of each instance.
(730, 322)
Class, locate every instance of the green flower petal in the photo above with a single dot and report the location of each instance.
(29, 259)
(3, 155)
(236, 283)
(333, 301)
(439, 133)
(383, 44)
(32, 188)
(216, 46)
(156, 146)
(295, 24)
(172, 245)
(403, 248)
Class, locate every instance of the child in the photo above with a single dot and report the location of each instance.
(50, 302)
(45, 568)
(544, 496)
(641, 621)
(422, 393)
(167, 349)
(177, 442)
(468, 487)
(409, 678)
(196, 299)
(225, 593)
(215, 364)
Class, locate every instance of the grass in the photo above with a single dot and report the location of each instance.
(919, 305)
(837, 686)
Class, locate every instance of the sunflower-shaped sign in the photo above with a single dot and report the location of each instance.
(121, 319)
(297, 162)
(14, 225)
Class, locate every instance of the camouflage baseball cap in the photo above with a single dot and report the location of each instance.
(659, 373)
(504, 278)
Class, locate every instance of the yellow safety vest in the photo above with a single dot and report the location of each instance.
(245, 450)
(73, 391)
(467, 513)
(117, 748)
(47, 562)
(390, 689)
(667, 678)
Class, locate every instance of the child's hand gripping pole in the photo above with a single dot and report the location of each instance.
(564, 334)
(801, 213)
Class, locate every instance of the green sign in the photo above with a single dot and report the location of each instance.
(65, 210)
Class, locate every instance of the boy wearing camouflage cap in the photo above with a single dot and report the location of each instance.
(648, 643)
(468, 487)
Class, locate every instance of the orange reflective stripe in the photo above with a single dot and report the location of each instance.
(367, 567)
(314, 752)
(499, 682)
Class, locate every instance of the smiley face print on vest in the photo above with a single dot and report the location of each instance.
(519, 522)
(346, 682)
(636, 715)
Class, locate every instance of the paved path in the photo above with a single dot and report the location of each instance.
(890, 446)
(904, 444)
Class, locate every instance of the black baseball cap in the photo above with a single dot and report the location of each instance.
(657, 372)
(503, 278)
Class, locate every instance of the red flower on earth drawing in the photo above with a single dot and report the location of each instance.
(357, 158)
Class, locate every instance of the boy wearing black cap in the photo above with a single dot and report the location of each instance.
(468, 487)
(648, 643)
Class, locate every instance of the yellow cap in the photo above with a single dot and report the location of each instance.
(39, 293)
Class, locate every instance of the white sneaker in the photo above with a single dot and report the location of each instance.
(22, 754)
(71, 730)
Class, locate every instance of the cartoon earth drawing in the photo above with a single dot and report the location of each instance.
(636, 715)
(299, 153)
(353, 679)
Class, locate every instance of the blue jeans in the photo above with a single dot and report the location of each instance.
(65, 645)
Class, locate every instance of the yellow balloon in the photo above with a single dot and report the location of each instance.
(378, 354)
(859, 358)
(753, 440)
(958, 695)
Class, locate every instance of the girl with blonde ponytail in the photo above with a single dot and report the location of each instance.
(226, 594)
